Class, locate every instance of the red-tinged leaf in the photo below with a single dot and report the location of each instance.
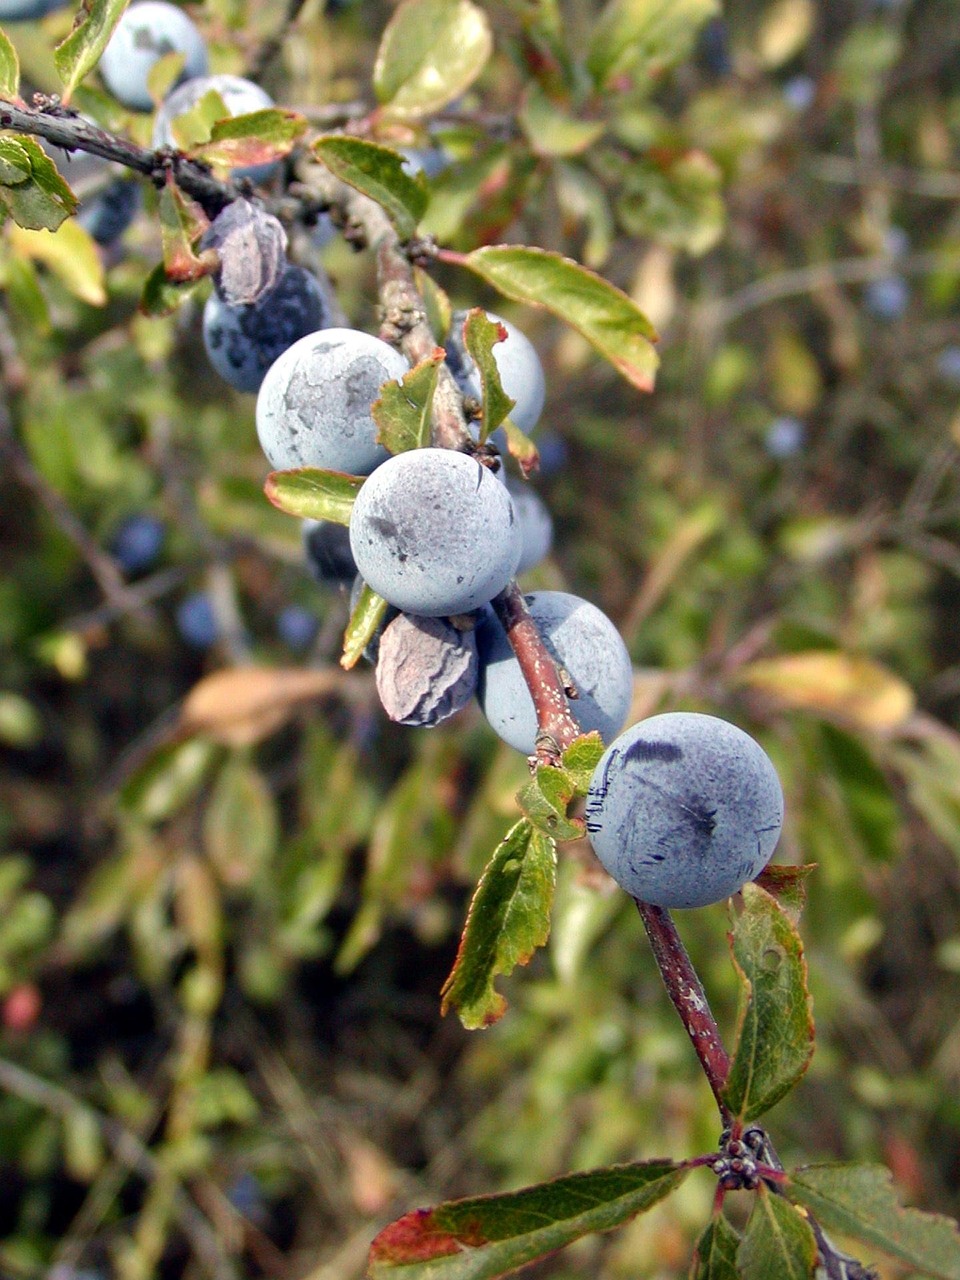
(162, 296)
(489, 1236)
(80, 52)
(521, 447)
(858, 1201)
(403, 411)
(606, 317)
(182, 222)
(480, 335)
(508, 919)
(379, 173)
(259, 137)
(312, 494)
(774, 1020)
(788, 885)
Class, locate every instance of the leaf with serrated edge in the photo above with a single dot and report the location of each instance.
(430, 52)
(42, 202)
(313, 494)
(788, 885)
(403, 412)
(488, 1236)
(509, 918)
(858, 1201)
(716, 1253)
(778, 1241)
(368, 613)
(259, 137)
(15, 166)
(606, 317)
(80, 52)
(480, 334)
(9, 70)
(581, 759)
(378, 173)
(545, 799)
(774, 1022)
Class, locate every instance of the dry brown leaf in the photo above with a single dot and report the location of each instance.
(834, 684)
(242, 705)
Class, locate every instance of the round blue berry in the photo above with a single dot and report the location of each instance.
(683, 809)
(197, 622)
(147, 32)
(887, 299)
(785, 437)
(297, 627)
(138, 542)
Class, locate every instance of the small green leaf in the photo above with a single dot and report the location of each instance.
(788, 885)
(508, 919)
(313, 494)
(480, 334)
(182, 222)
(521, 447)
(545, 800)
(80, 52)
(403, 412)
(488, 1236)
(606, 317)
(778, 1241)
(9, 70)
(168, 780)
(379, 173)
(259, 137)
(774, 1022)
(41, 202)
(643, 38)
(240, 827)
(716, 1253)
(164, 74)
(431, 51)
(162, 296)
(367, 615)
(552, 131)
(873, 810)
(678, 202)
(15, 166)
(439, 310)
(581, 759)
(193, 127)
(858, 1201)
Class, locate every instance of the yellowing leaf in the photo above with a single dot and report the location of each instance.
(835, 684)
(245, 704)
(786, 28)
(70, 253)
(430, 52)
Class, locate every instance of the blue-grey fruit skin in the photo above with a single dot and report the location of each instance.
(27, 10)
(536, 524)
(240, 97)
(326, 546)
(147, 32)
(585, 643)
(107, 215)
(243, 342)
(683, 809)
(518, 364)
(313, 409)
(435, 533)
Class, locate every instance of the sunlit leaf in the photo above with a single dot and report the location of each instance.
(774, 1023)
(80, 52)
(313, 494)
(553, 131)
(606, 317)
(71, 255)
(259, 137)
(488, 1236)
(509, 918)
(403, 411)
(42, 201)
(480, 334)
(379, 173)
(368, 613)
(641, 39)
(430, 51)
(840, 684)
(858, 1201)
(9, 69)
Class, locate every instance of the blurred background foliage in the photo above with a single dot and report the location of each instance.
(226, 909)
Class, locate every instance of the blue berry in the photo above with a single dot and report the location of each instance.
(948, 366)
(146, 32)
(107, 215)
(326, 546)
(799, 92)
(240, 97)
(138, 542)
(683, 809)
(297, 627)
(887, 299)
(785, 437)
(197, 622)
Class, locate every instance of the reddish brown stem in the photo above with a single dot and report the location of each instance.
(689, 999)
(556, 726)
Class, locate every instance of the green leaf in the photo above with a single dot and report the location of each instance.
(480, 334)
(367, 615)
(778, 1241)
(403, 412)
(678, 202)
(313, 494)
(182, 222)
(430, 52)
(168, 780)
(788, 885)
(509, 918)
(15, 166)
(551, 131)
(607, 318)
(866, 793)
(488, 1236)
(439, 310)
(259, 137)
(240, 828)
(643, 38)
(859, 1201)
(378, 172)
(42, 201)
(9, 70)
(581, 759)
(162, 296)
(80, 52)
(774, 1022)
(193, 127)
(716, 1253)
(545, 801)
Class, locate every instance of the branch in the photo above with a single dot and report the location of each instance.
(73, 133)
